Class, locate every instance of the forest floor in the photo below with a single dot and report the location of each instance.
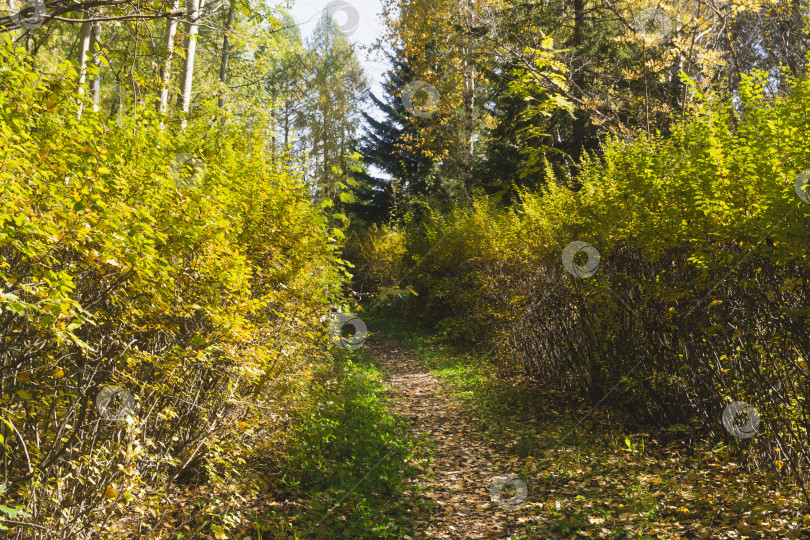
(608, 478)
(463, 464)
(404, 438)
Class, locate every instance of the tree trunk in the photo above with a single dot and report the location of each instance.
(223, 66)
(84, 47)
(581, 115)
(166, 68)
(96, 44)
(273, 100)
(187, 76)
(286, 124)
(468, 97)
(324, 178)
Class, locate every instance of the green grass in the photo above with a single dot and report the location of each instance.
(350, 458)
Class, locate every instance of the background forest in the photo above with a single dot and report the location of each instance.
(606, 198)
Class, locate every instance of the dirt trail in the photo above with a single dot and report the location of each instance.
(464, 465)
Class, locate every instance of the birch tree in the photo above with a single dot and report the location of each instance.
(84, 48)
(187, 75)
(166, 67)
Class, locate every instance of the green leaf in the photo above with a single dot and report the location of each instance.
(12, 512)
(17, 308)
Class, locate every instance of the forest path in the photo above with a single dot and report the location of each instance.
(613, 480)
(464, 463)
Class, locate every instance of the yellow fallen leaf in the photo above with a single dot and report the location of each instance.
(110, 492)
(24, 376)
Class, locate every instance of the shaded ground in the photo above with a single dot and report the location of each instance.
(354, 468)
(609, 479)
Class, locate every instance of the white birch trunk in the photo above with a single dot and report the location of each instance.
(187, 76)
(166, 68)
(84, 48)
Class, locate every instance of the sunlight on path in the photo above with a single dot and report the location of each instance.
(464, 464)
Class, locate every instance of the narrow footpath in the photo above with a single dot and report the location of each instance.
(464, 463)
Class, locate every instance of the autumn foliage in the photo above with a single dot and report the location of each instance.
(700, 297)
(184, 266)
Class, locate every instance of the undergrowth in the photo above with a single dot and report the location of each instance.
(350, 459)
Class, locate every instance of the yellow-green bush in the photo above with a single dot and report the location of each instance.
(701, 295)
(201, 301)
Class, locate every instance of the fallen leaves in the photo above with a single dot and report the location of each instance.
(110, 492)
(591, 487)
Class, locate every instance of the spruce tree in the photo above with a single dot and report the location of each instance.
(390, 175)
